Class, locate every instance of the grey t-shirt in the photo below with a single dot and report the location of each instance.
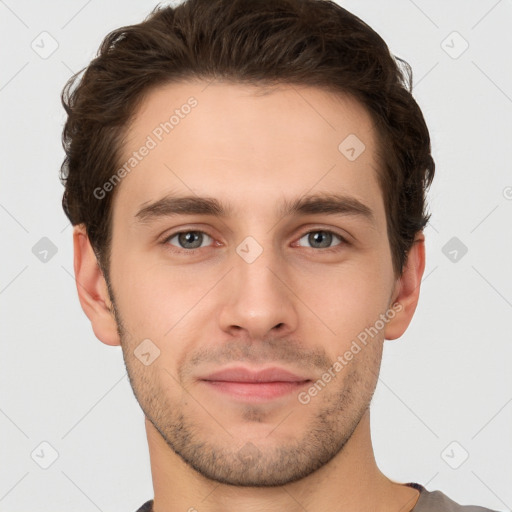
(429, 501)
(436, 501)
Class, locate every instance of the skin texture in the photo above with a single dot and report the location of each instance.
(297, 305)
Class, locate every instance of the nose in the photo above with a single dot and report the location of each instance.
(259, 300)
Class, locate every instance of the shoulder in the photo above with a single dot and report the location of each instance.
(436, 501)
(429, 501)
(147, 507)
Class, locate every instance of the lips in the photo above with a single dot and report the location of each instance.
(241, 374)
(257, 386)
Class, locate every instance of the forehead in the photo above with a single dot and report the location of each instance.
(247, 145)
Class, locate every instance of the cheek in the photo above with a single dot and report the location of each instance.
(346, 299)
(157, 300)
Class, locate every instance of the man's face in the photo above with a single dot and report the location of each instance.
(251, 289)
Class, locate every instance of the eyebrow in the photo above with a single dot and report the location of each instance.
(327, 204)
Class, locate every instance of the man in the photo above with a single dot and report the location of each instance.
(280, 140)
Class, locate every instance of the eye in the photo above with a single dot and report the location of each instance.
(321, 239)
(188, 239)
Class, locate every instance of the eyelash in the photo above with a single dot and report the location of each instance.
(174, 249)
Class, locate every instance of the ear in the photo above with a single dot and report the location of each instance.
(407, 289)
(92, 289)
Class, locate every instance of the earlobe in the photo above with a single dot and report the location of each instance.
(92, 289)
(407, 289)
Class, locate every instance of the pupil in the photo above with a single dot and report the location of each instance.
(318, 236)
(190, 237)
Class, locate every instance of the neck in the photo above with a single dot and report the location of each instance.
(350, 482)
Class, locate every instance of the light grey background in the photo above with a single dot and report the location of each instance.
(446, 380)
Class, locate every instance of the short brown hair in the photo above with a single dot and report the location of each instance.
(258, 42)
